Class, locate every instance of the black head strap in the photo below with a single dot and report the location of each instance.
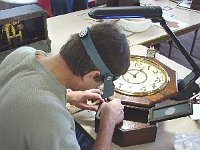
(96, 59)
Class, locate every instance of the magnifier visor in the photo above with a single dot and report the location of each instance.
(108, 77)
(104, 86)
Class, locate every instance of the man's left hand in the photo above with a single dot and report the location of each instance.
(80, 98)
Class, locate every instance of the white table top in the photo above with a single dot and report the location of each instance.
(165, 132)
(61, 27)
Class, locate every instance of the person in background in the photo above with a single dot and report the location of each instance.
(59, 7)
(33, 114)
(111, 3)
(100, 2)
(114, 3)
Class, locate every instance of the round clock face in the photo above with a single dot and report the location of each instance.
(144, 77)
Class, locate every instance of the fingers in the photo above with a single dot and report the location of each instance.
(83, 96)
(119, 112)
(95, 91)
(117, 103)
(86, 106)
(91, 108)
(112, 112)
(120, 116)
(94, 95)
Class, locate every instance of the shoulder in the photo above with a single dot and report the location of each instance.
(17, 55)
(22, 52)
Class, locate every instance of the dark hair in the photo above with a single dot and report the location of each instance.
(111, 45)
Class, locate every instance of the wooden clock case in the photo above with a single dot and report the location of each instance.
(149, 101)
(24, 25)
(141, 114)
(195, 5)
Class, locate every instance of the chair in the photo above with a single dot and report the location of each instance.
(46, 5)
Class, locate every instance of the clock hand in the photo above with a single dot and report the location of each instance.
(134, 75)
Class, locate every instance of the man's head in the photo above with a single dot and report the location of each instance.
(111, 44)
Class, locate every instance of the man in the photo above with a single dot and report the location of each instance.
(33, 92)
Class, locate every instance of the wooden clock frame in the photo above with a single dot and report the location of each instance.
(141, 113)
(150, 100)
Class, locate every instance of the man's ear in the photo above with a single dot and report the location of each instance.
(92, 74)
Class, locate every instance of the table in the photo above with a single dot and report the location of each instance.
(166, 130)
(61, 27)
(181, 14)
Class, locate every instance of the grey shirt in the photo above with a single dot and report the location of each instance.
(33, 115)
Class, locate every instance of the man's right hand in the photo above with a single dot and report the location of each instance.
(111, 114)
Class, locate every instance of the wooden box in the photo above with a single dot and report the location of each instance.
(134, 129)
(140, 124)
(24, 25)
(195, 5)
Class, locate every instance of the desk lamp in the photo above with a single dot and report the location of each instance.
(187, 87)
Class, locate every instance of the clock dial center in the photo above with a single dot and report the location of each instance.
(135, 76)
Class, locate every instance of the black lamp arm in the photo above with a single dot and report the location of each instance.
(195, 67)
(187, 87)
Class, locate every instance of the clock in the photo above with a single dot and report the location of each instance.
(144, 77)
(142, 89)
(146, 82)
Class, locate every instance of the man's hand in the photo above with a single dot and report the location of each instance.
(80, 98)
(112, 112)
